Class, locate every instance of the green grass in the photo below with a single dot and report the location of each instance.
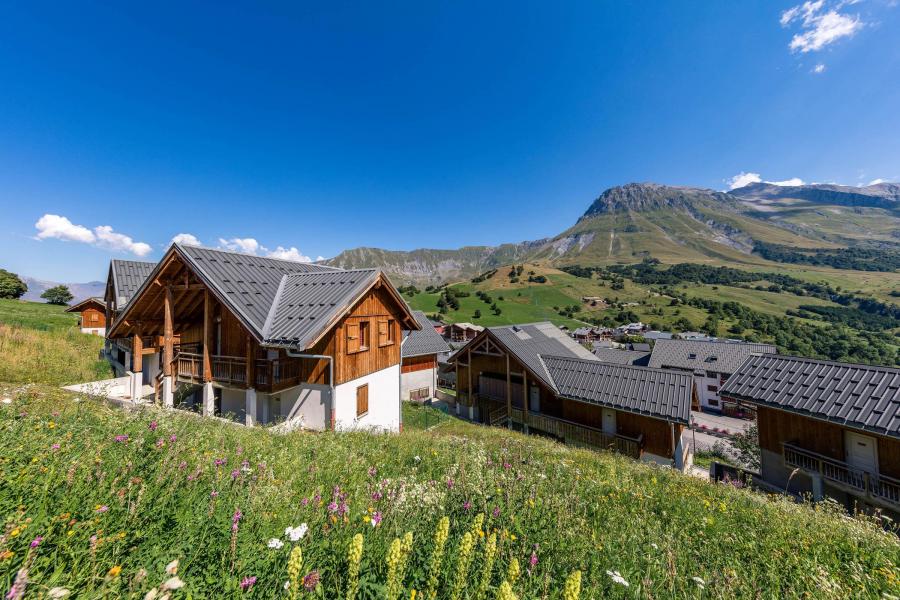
(421, 417)
(41, 343)
(111, 514)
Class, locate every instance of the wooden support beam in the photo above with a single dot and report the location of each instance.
(168, 333)
(137, 351)
(207, 336)
(508, 396)
(526, 402)
(469, 397)
(251, 363)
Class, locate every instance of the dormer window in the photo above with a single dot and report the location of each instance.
(692, 356)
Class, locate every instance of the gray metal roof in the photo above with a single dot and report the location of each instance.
(247, 283)
(528, 342)
(423, 341)
(653, 392)
(721, 357)
(622, 357)
(862, 397)
(128, 276)
(307, 302)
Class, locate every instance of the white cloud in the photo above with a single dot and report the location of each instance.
(819, 68)
(819, 26)
(289, 254)
(879, 180)
(742, 179)
(186, 239)
(244, 245)
(109, 239)
(61, 228)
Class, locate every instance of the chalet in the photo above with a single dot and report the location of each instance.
(592, 334)
(268, 340)
(536, 378)
(463, 332)
(419, 354)
(124, 279)
(826, 428)
(710, 363)
(92, 315)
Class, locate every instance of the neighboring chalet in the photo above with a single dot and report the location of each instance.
(124, 279)
(537, 378)
(419, 360)
(828, 428)
(267, 339)
(462, 332)
(92, 315)
(710, 363)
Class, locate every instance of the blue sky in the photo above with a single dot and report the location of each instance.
(316, 128)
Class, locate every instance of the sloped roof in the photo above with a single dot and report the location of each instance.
(307, 302)
(858, 396)
(528, 342)
(77, 306)
(653, 392)
(622, 357)
(423, 341)
(721, 357)
(128, 276)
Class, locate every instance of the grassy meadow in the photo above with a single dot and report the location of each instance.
(101, 502)
(41, 343)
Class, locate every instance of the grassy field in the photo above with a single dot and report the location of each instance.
(41, 343)
(99, 501)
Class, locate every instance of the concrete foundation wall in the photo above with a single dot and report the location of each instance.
(234, 403)
(417, 380)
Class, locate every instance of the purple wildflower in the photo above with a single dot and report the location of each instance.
(450, 484)
(214, 494)
(376, 519)
(247, 583)
(54, 447)
(467, 505)
(103, 509)
(220, 461)
(533, 561)
(373, 471)
(234, 523)
(182, 465)
(172, 438)
(507, 466)
(121, 438)
(305, 501)
(332, 506)
(36, 541)
(311, 581)
(152, 425)
(160, 443)
(235, 474)
(376, 496)
(496, 512)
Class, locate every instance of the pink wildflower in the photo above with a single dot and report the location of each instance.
(214, 494)
(467, 505)
(121, 438)
(103, 509)
(36, 541)
(153, 425)
(247, 583)
(235, 474)
(373, 471)
(496, 512)
(376, 519)
(54, 447)
(450, 484)
(311, 581)
(172, 438)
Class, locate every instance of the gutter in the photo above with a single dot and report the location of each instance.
(330, 360)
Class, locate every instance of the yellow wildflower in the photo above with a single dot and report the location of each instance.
(463, 563)
(513, 572)
(295, 564)
(573, 586)
(114, 572)
(354, 556)
(505, 592)
(437, 556)
(490, 552)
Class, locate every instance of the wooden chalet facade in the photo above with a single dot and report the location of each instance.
(826, 428)
(535, 378)
(267, 340)
(92, 316)
(419, 363)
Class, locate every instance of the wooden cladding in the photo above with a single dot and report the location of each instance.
(362, 400)
(419, 363)
(355, 355)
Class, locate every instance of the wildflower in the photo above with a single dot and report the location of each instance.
(573, 586)
(376, 519)
(462, 565)
(295, 563)
(533, 561)
(173, 438)
(311, 581)
(36, 541)
(172, 567)
(295, 534)
(496, 512)
(182, 465)
(7, 400)
(354, 556)
(490, 552)
(437, 557)
(450, 484)
(505, 592)
(467, 505)
(160, 443)
(121, 438)
(393, 577)
(114, 572)
(513, 572)
(101, 509)
(54, 447)
(58, 592)
(17, 591)
(373, 471)
(214, 494)
(220, 461)
(699, 581)
(275, 544)
(235, 519)
(417, 458)
(617, 578)
(332, 506)
(235, 474)
(7, 554)
(153, 425)
(173, 583)
(247, 583)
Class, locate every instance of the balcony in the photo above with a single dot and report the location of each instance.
(575, 434)
(232, 370)
(878, 489)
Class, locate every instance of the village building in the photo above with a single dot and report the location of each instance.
(91, 315)
(710, 363)
(535, 378)
(826, 428)
(265, 340)
(123, 280)
(420, 353)
(462, 332)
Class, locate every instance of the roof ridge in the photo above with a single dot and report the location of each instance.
(824, 361)
(334, 272)
(284, 260)
(270, 316)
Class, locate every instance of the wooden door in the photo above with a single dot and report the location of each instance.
(862, 452)
(362, 400)
(534, 399)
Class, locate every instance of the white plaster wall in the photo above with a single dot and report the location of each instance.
(234, 401)
(700, 384)
(308, 402)
(417, 380)
(101, 331)
(384, 402)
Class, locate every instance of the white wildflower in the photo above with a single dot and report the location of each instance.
(275, 543)
(654, 546)
(7, 400)
(417, 458)
(287, 585)
(172, 567)
(699, 581)
(172, 584)
(296, 533)
(617, 578)
(57, 592)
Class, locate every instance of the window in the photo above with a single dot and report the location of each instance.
(95, 317)
(363, 335)
(712, 388)
(385, 332)
(357, 337)
(420, 394)
(362, 400)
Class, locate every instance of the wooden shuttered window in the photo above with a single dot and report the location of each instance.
(385, 332)
(362, 400)
(353, 337)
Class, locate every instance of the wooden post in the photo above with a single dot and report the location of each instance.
(509, 423)
(456, 367)
(168, 333)
(207, 337)
(251, 364)
(526, 400)
(469, 396)
(137, 346)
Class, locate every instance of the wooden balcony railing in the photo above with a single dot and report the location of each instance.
(871, 485)
(270, 374)
(572, 433)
